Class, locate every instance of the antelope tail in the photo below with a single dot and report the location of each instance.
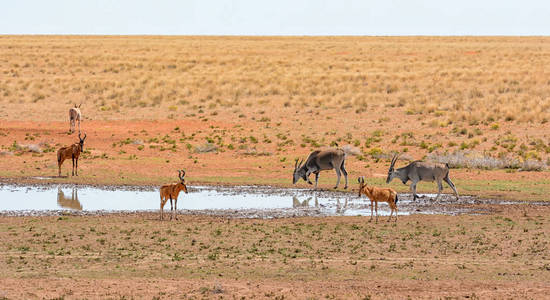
(58, 156)
(396, 199)
(348, 149)
(447, 175)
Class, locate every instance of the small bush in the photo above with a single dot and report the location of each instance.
(475, 160)
(208, 147)
(533, 165)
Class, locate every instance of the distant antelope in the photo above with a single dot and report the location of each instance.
(171, 191)
(319, 161)
(74, 115)
(72, 151)
(376, 195)
(421, 171)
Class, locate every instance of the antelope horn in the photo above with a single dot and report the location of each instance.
(85, 135)
(179, 173)
(182, 173)
(394, 159)
(296, 164)
(300, 165)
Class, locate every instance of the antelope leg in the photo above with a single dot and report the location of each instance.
(376, 209)
(171, 208)
(439, 188)
(450, 183)
(338, 175)
(316, 179)
(161, 205)
(175, 208)
(413, 188)
(345, 174)
(371, 207)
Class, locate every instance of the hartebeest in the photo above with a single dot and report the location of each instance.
(74, 115)
(421, 171)
(171, 191)
(321, 160)
(376, 195)
(72, 151)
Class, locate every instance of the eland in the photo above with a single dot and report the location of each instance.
(321, 160)
(421, 171)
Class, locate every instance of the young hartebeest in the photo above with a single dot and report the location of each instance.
(74, 115)
(72, 151)
(376, 195)
(171, 191)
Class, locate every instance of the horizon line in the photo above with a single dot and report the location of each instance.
(268, 35)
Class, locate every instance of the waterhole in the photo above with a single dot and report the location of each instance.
(239, 201)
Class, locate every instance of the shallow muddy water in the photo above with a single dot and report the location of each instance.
(239, 201)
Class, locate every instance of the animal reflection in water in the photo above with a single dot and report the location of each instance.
(340, 207)
(296, 203)
(68, 202)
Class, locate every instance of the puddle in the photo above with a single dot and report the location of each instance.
(240, 201)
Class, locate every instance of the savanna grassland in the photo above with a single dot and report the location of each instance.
(239, 110)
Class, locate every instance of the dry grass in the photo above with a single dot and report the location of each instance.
(272, 99)
(461, 80)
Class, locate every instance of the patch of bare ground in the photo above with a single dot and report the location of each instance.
(148, 152)
(422, 256)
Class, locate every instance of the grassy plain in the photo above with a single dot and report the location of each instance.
(151, 103)
(239, 110)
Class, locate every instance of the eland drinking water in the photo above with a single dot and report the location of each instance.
(321, 160)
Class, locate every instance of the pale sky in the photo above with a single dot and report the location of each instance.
(276, 17)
